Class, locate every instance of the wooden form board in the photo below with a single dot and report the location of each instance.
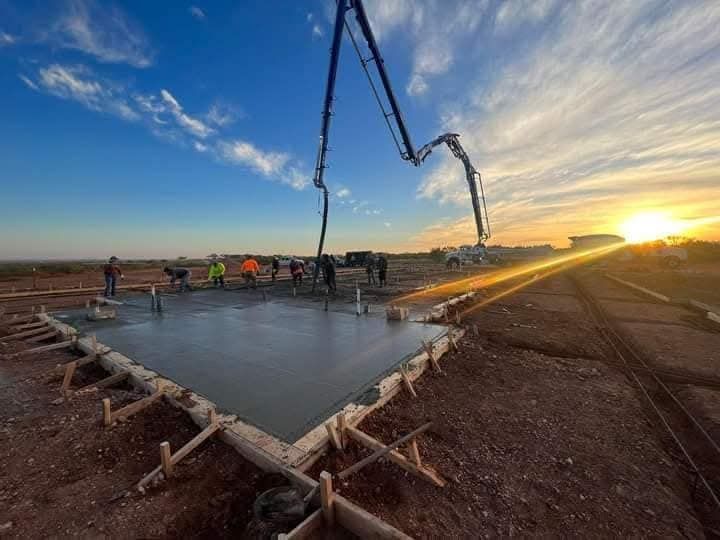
(395, 456)
(109, 417)
(168, 460)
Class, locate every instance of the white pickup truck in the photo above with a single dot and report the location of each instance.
(465, 255)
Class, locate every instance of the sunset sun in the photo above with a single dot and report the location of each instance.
(649, 226)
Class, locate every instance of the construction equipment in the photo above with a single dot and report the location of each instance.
(392, 118)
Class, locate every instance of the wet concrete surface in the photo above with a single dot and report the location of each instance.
(283, 368)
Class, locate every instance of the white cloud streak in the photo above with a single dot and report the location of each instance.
(192, 125)
(613, 108)
(101, 30)
(196, 12)
(513, 13)
(166, 118)
(77, 83)
(434, 27)
(7, 39)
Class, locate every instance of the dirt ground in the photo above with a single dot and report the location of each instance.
(534, 432)
(536, 429)
(691, 283)
(63, 474)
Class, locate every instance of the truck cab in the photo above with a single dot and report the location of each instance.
(465, 255)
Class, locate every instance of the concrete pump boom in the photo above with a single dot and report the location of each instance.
(405, 147)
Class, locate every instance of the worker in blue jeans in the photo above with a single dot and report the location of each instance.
(179, 274)
(112, 272)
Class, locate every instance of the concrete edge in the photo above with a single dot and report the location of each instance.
(316, 442)
(637, 287)
(146, 380)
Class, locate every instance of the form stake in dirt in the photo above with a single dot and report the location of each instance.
(327, 498)
(357, 299)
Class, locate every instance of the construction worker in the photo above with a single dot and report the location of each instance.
(216, 273)
(328, 268)
(112, 272)
(178, 273)
(382, 265)
(297, 269)
(370, 269)
(250, 269)
(275, 268)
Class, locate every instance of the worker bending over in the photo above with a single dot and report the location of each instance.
(216, 273)
(179, 274)
(112, 272)
(275, 268)
(382, 266)
(328, 268)
(297, 269)
(250, 269)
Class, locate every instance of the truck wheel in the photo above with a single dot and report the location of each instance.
(672, 262)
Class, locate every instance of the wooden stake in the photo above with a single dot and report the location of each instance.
(407, 381)
(383, 450)
(42, 337)
(107, 414)
(326, 498)
(341, 425)
(51, 347)
(166, 459)
(452, 342)
(476, 330)
(431, 356)
(332, 433)
(395, 456)
(107, 381)
(414, 453)
(70, 368)
(28, 333)
(136, 406)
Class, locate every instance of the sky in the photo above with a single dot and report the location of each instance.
(161, 129)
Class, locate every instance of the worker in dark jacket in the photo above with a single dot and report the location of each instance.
(382, 265)
(275, 268)
(181, 274)
(370, 269)
(111, 271)
(328, 268)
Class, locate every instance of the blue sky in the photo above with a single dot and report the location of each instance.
(161, 129)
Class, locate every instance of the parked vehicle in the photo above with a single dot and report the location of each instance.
(465, 255)
(357, 258)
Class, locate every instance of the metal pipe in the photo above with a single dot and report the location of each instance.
(325, 126)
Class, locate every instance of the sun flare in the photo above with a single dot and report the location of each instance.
(649, 226)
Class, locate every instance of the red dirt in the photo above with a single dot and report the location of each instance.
(530, 444)
(63, 474)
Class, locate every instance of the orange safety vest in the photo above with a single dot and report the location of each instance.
(250, 265)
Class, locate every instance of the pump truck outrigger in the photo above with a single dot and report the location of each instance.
(393, 118)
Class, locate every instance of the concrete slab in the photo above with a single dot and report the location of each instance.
(280, 367)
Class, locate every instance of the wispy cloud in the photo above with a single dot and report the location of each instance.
(196, 12)
(101, 30)
(317, 31)
(166, 118)
(343, 193)
(193, 125)
(7, 39)
(615, 107)
(513, 13)
(222, 115)
(79, 84)
(434, 28)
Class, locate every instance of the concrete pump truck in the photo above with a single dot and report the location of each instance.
(395, 122)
